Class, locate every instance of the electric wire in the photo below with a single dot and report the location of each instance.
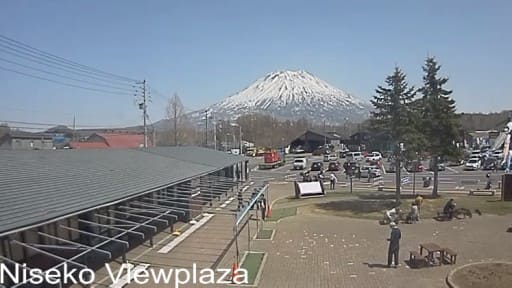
(61, 83)
(79, 66)
(55, 124)
(80, 73)
(66, 77)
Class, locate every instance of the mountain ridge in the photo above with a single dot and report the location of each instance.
(292, 95)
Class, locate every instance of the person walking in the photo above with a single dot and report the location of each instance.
(394, 245)
(332, 180)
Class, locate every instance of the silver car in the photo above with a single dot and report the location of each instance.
(373, 170)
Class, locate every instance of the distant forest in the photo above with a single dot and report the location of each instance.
(481, 121)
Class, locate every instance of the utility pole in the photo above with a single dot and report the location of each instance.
(214, 132)
(206, 129)
(74, 129)
(175, 108)
(325, 137)
(144, 112)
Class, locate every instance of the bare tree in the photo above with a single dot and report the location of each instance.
(175, 113)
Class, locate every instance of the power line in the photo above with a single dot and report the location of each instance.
(62, 83)
(66, 77)
(56, 124)
(34, 50)
(76, 72)
(9, 108)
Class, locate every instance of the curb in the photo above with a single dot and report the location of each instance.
(449, 278)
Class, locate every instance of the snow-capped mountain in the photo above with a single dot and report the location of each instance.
(293, 95)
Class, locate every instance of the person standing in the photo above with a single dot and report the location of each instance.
(394, 245)
(332, 180)
(263, 207)
(418, 201)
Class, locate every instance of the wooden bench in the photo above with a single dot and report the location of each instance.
(482, 192)
(415, 258)
(450, 255)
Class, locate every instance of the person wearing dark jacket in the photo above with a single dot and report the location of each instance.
(394, 245)
(449, 208)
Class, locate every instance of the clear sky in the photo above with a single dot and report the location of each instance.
(208, 50)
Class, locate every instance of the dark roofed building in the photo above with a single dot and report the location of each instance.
(311, 139)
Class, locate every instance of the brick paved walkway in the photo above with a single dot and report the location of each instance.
(329, 251)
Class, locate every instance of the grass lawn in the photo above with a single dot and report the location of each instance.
(265, 234)
(279, 213)
(486, 204)
(252, 263)
(369, 207)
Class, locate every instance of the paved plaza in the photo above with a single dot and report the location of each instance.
(329, 251)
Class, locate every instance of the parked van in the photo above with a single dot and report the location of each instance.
(300, 163)
(354, 156)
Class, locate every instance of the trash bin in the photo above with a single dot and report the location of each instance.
(506, 188)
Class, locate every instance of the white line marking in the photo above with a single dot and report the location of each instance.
(452, 170)
(226, 203)
(183, 236)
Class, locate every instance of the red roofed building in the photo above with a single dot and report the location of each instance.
(111, 140)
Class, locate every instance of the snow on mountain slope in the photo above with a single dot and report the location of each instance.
(293, 95)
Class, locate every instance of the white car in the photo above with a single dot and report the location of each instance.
(330, 157)
(374, 156)
(300, 163)
(354, 156)
(472, 164)
(370, 170)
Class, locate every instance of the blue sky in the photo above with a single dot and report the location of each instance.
(208, 50)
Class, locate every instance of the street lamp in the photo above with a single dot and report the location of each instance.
(239, 135)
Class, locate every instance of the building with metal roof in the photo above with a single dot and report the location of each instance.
(310, 140)
(60, 196)
(111, 140)
(22, 140)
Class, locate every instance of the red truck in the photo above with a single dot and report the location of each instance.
(271, 160)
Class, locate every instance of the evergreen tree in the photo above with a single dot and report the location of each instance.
(440, 122)
(394, 114)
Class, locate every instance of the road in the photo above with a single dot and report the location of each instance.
(453, 179)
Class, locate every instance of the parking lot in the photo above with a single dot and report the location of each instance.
(453, 179)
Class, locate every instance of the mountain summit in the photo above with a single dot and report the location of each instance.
(293, 95)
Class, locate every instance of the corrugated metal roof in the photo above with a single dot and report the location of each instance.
(87, 145)
(122, 140)
(197, 155)
(37, 186)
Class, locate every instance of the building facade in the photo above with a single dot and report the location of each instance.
(88, 207)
